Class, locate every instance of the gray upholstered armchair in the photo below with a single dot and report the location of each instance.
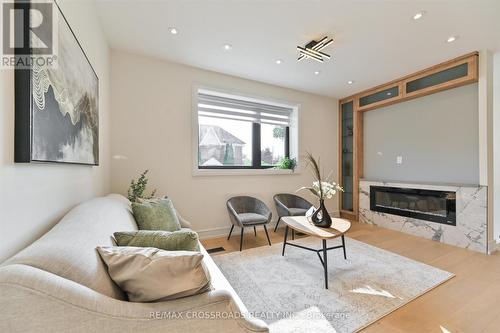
(290, 205)
(247, 211)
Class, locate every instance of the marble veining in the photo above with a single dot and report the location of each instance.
(471, 209)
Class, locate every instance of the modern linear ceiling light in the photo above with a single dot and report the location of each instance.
(312, 50)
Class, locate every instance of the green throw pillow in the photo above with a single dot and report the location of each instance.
(158, 214)
(181, 240)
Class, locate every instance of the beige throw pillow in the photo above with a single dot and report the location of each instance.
(149, 274)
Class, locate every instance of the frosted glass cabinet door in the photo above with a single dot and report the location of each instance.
(379, 96)
(347, 144)
(435, 79)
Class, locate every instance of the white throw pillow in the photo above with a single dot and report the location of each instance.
(149, 274)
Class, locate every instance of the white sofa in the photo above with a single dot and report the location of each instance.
(60, 284)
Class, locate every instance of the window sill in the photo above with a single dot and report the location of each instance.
(243, 172)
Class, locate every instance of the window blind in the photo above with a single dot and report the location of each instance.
(217, 106)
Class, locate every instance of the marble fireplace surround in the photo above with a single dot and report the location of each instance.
(471, 215)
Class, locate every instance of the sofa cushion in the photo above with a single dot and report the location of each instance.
(149, 274)
(157, 214)
(68, 249)
(180, 240)
(252, 218)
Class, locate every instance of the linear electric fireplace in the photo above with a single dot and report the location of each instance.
(430, 205)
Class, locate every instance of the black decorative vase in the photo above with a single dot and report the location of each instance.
(321, 218)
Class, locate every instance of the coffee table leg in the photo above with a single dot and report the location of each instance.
(343, 247)
(325, 263)
(284, 242)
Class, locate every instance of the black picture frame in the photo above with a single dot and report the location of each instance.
(25, 108)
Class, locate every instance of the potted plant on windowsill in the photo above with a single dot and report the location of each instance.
(287, 164)
(322, 189)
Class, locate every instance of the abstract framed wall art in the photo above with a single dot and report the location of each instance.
(57, 106)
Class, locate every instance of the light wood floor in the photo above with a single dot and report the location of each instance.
(470, 302)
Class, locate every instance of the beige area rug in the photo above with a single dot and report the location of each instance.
(289, 293)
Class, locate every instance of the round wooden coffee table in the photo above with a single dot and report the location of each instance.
(302, 224)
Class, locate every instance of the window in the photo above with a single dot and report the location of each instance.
(236, 132)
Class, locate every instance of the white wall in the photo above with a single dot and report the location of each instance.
(496, 145)
(33, 197)
(151, 126)
(486, 137)
(436, 135)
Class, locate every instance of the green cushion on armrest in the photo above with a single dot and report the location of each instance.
(181, 240)
(157, 214)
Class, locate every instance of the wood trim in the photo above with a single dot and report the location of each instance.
(471, 77)
(348, 215)
(357, 157)
(359, 145)
(377, 104)
(474, 54)
(357, 161)
(471, 59)
(341, 127)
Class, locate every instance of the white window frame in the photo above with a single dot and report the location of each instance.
(293, 139)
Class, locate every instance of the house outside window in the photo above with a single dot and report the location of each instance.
(219, 147)
(237, 132)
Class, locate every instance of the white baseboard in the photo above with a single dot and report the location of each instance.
(224, 231)
(213, 233)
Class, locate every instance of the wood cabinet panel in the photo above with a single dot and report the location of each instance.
(450, 74)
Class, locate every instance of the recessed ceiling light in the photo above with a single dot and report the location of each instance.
(418, 15)
(278, 61)
(227, 47)
(451, 39)
(173, 31)
(350, 82)
(317, 72)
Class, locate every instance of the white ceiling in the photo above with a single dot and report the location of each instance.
(375, 41)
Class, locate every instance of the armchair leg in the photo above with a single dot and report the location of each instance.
(267, 235)
(230, 232)
(241, 238)
(255, 231)
(277, 222)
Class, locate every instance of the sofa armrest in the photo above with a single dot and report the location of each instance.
(281, 209)
(35, 300)
(233, 215)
